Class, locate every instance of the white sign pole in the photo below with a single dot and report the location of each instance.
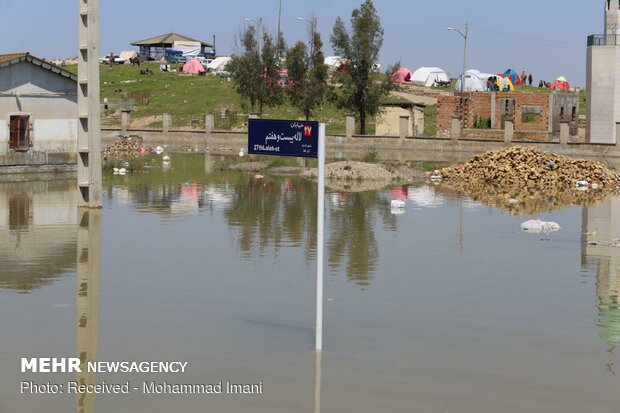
(320, 224)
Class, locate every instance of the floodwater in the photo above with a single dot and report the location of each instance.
(448, 307)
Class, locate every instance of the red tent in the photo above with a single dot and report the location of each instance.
(560, 84)
(402, 75)
(193, 66)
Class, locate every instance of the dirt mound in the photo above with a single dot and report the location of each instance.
(351, 171)
(530, 167)
(126, 147)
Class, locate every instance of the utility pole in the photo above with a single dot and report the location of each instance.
(465, 37)
(279, 21)
(89, 122)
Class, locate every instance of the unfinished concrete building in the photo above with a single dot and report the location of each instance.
(603, 79)
(483, 115)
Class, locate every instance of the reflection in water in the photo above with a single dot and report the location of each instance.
(87, 300)
(264, 214)
(37, 232)
(604, 221)
(526, 201)
(267, 213)
(352, 233)
(318, 375)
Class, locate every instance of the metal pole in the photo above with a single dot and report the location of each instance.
(260, 35)
(320, 224)
(279, 25)
(464, 58)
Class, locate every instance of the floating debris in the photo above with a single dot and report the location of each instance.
(612, 243)
(540, 227)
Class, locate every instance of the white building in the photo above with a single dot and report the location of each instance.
(603, 79)
(38, 114)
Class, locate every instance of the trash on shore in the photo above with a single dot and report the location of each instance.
(530, 167)
(540, 227)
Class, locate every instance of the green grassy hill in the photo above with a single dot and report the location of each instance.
(188, 98)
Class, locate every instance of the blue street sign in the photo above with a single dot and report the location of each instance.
(283, 138)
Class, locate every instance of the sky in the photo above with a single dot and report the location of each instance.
(544, 37)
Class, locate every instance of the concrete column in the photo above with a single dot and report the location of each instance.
(403, 127)
(418, 121)
(509, 131)
(89, 118)
(564, 132)
(209, 123)
(167, 122)
(125, 121)
(493, 109)
(350, 126)
(455, 131)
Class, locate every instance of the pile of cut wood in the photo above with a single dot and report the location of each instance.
(529, 167)
(126, 147)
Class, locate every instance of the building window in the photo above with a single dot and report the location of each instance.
(531, 114)
(19, 137)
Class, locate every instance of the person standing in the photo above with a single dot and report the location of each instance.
(111, 59)
(523, 79)
(530, 79)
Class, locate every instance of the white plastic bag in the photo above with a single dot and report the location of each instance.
(540, 227)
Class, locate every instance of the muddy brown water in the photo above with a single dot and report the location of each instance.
(448, 307)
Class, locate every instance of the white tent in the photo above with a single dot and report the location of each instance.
(475, 81)
(189, 49)
(218, 64)
(126, 55)
(427, 76)
(333, 62)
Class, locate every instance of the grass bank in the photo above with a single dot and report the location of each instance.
(188, 98)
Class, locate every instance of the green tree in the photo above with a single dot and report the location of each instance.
(245, 68)
(270, 91)
(307, 74)
(255, 71)
(360, 48)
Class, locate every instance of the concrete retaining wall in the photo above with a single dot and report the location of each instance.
(341, 147)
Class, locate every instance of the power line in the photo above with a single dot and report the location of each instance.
(516, 36)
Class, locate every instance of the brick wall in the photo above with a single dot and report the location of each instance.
(478, 107)
(447, 106)
(539, 122)
(470, 107)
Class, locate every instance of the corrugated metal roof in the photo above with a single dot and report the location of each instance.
(169, 38)
(12, 58)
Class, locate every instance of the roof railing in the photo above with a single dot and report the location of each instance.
(604, 40)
